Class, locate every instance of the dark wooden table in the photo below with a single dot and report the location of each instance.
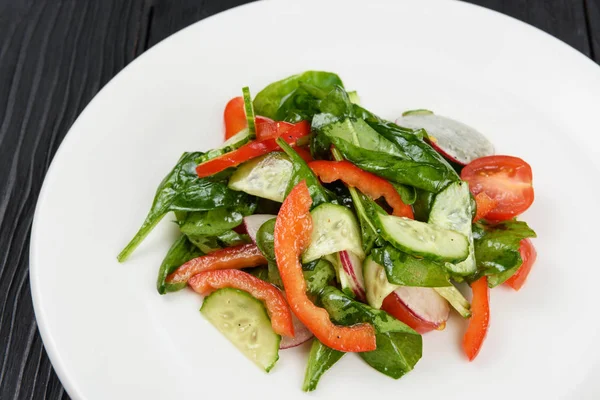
(55, 55)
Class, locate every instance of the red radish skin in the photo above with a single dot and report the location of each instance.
(352, 266)
(301, 335)
(252, 224)
(424, 311)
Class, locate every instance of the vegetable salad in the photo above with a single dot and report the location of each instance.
(318, 220)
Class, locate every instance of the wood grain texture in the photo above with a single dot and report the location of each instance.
(55, 55)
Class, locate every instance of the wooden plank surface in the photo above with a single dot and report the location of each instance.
(55, 55)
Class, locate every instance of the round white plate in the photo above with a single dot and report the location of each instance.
(111, 336)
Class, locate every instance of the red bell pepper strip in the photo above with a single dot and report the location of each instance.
(480, 318)
(528, 254)
(368, 183)
(292, 234)
(237, 257)
(252, 150)
(278, 309)
(234, 117)
(397, 309)
(485, 204)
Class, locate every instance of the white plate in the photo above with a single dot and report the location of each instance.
(111, 336)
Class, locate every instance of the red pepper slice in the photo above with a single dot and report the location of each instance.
(252, 150)
(485, 204)
(396, 308)
(480, 318)
(237, 257)
(368, 183)
(292, 234)
(234, 116)
(278, 309)
(529, 255)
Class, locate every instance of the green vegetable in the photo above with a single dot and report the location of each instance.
(302, 172)
(208, 244)
(180, 252)
(265, 239)
(216, 222)
(320, 359)
(282, 99)
(406, 270)
(456, 300)
(399, 347)
(360, 134)
(265, 176)
(407, 193)
(261, 272)
(319, 277)
(182, 190)
(497, 249)
(422, 205)
(250, 119)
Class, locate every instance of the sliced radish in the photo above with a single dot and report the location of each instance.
(254, 222)
(351, 274)
(426, 304)
(454, 140)
(301, 335)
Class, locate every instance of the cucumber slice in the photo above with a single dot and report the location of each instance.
(249, 108)
(265, 176)
(244, 321)
(237, 140)
(456, 300)
(424, 240)
(334, 229)
(377, 285)
(451, 209)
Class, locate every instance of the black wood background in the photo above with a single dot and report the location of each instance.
(55, 55)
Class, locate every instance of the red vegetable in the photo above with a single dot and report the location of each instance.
(237, 257)
(397, 309)
(480, 318)
(505, 179)
(529, 255)
(368, 183)
(281, 316)
(253, 149)
(234, 117)
(485, 204)
(292, 234)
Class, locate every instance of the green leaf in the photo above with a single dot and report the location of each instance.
(407, 193)
(265, 239)
(302, 172)
(283, 99)
(182, 190)
(404, 269)
(320, 359)
(216, 222)
(422, 205)
(180, 252)
(319, 277)
(497, 249)
(399, 347)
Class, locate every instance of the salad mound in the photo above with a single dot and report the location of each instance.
(318, 220)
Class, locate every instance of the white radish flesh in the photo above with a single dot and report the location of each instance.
(301, 335)
(254, 222)
(425, 303)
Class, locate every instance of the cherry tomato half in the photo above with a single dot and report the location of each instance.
(234, 117)
(505, 179)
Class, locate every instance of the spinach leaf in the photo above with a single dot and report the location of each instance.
(399, 347)
(320, 359)
(302, 172)
(421, 175)
(180, 252)
(407, 193)
(497, 249)
(404, 269)
(261, 272)
(360, 134)
(208, 244)
(285, 98)
(182, 190)
(319, 277)
(422, 205)
(265, 239)
(217, 221)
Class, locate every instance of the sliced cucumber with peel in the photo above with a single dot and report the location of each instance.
(334, 229)
(267, 176)
(423, 240)
(377, 285)
(244, 321)
(249, 108)
(452, 209)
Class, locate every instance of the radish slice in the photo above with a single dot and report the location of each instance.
(454, 140)
(254, 222)
(425, 303)
(301, 335)
(351, 274)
